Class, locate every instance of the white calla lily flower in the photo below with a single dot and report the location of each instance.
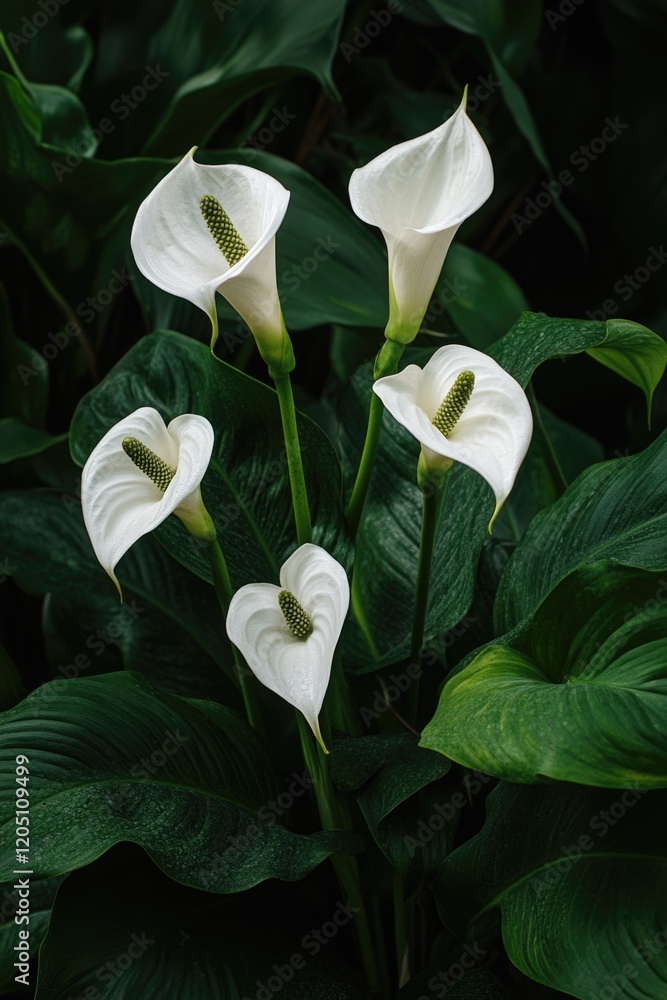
(418, 193)
(288, 634)
(463, 407)
(211, 228)
(138, 474)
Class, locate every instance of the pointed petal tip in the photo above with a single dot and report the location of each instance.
(315, 726)
(464, 100)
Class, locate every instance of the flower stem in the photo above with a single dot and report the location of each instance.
(427, 541)
(223, 588)
(400, 931)
(334, 815)
(294, 464)
(386, 363)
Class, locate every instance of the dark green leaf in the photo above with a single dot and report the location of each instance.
(169, 626)
(246, 488)
(616, 510)
(218, 54)
(591, 868)
(578, 694)
(19, 440)
(122, 929)
(117, 760)
(481, 298)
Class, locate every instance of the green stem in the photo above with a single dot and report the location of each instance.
(386, 363)
(294, 464)
(400, 931)
(333, 816)
(221, 580)
(427, 541)
(223, 588)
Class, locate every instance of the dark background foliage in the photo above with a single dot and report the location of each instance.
(344, 83)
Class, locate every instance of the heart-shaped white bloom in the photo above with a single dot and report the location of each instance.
(492, 433)
(174, 248)
(418, 193)
(297, 669)
(121, 503)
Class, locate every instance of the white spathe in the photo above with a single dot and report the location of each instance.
(174, 248)
(493, 432)
(296, 669)
(418, 193)
(121, 504)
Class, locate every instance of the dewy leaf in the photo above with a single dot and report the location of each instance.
(578, 694)
(592, 868)
(246, 488)
(140, 935)
(169, 627)
(42, 893)
(121, 761)
(615, 510)
(388, 540)
(635, 353)
(403, 793)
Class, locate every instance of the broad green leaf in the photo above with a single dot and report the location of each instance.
(387, 545)
(388, 541)
(218, 54)
(61, 210)
(578, 694)
(19, 440)
(118, 760)
(639, 356)
(169, 626)
(138, 934)
(569, 867)
(404, 788)
(632, 351)
(42, 893)
(558, 453)
(481, 298)
(246, 488)
(318, 247)
(616, 510)
(63, 117)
